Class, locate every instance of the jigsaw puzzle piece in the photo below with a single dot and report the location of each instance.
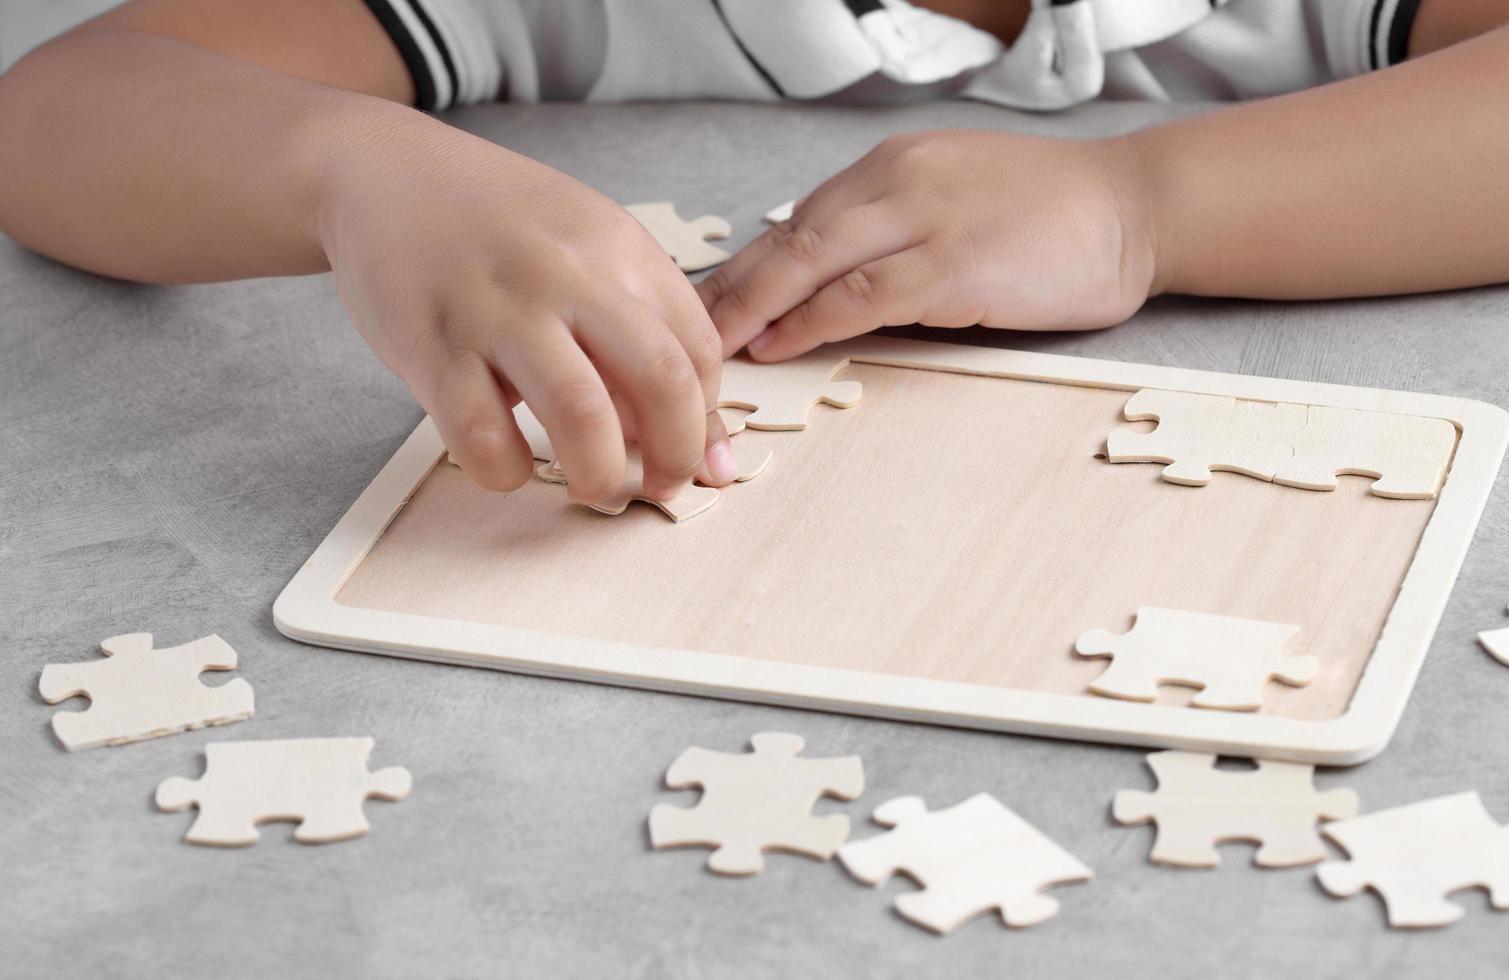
(1416, 855)
(1199, 433)
(684, 241)
(691, 501)
(319, 782)
(1496, 642)
(1198, 806)
(971, 858)
(755, 802)
(1407, 454)
(137, 692)
(780, 396)
(1228, 658)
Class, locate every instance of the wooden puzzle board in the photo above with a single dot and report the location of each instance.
(932, 553)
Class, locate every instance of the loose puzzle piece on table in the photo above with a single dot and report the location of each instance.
(1229, 659)
(1416, 855)
(684, 241)
(1294, 445)
(781, 212)
(1198, 806)
(780, 396)
(319, 782)
(756, 801)
(137, 692)
(971, 858)
(1496, 642)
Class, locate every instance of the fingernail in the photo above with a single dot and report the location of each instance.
(762, 341)
(721, 465)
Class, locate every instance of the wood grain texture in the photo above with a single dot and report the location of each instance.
(954, 528)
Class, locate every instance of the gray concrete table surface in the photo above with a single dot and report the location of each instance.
(169, 456)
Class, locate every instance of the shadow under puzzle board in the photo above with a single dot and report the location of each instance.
(931, 553)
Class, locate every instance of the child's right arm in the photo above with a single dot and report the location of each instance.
(196, 140)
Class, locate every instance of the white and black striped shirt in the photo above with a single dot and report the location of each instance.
(462, 52)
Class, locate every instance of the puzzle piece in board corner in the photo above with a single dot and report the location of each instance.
(137, 692)
(780, 396)
(685, 241)
(1407, 454)
(319, 782)
(1199, 433)
(971, 858)
(756, 801)
(1414, 856)
(1228, 658)
(1198, 806)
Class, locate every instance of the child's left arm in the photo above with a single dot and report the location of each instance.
(1394, 182)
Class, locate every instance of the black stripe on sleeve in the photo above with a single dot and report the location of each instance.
(413, 58)
(1398, 32)
(440, 45)
(769, 79)
(1373, 34)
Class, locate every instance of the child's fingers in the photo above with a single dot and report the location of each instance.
(799, 258)
(476, 423)
(895, 290)
(563, 388)
(652, 372)
(689, 321)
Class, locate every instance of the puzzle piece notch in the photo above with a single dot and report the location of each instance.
(779, 397)
(1227, 658)
(756, 801)
(1416, 855)
(138, 692)
(1198, 806)
(971, 858)
(319, 782)
(1406, 455)
(1293, 445)
(685, 241)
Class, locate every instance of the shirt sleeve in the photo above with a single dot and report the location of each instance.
(1364, 35)
(448, 48)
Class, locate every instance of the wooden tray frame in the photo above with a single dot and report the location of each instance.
(307, 611)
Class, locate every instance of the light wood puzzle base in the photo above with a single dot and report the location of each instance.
(931, 554)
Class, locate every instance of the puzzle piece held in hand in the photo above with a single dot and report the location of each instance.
(319, 782)
(780, 396)
(691, 501)
(1229, 659)
(971, 858)
(137, 692)
(1198, 806)
(1294, 445)
(1414, 856)
(684, 241)
(756, 801)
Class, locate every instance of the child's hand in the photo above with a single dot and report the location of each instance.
(481, 277)
(947, 229)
